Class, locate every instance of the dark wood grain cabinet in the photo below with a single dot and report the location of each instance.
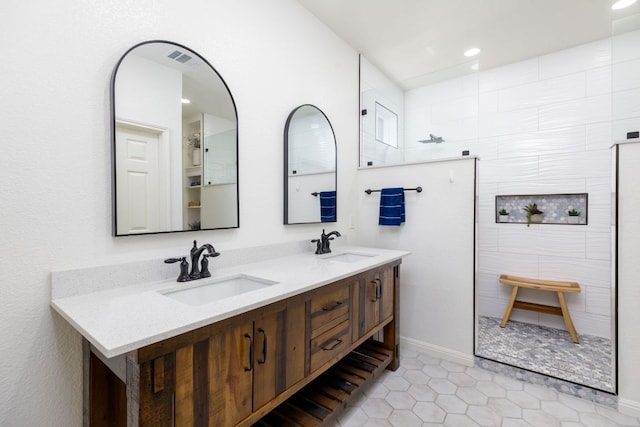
(236, 371)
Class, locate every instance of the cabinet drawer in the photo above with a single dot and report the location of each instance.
(329, 344)
(329, 307)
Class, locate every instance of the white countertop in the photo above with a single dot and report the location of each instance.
(123, 319)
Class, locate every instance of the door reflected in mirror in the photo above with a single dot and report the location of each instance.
(310, 167)
(175, 143)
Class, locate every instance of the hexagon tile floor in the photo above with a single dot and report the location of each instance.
(426, 391)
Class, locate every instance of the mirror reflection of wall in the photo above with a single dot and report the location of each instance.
(175, 143)
(443, 104)
(310, 161)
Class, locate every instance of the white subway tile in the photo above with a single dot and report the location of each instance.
(591, 109)
(510, 75)
(524, 120)
(579, 58)
(501, 170)
(599, 81)
(543, 92)
(621, 127)
(599, 301)
(599, 190)
(576, 165)
(486, 148)
(598, 245)
(599, 218)
(487, 285)
(591, 324)
(625, 46)
(599, 136)
(626, 104)
(455, 109)
(563, 140)
(488, 103)
(547, 240)
(497, 263)
(587, 272)
(487, 240)
(544, 185)
(626, 75)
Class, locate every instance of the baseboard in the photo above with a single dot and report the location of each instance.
(437, 351)
(629, 407)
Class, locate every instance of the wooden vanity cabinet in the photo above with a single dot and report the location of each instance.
(235, 371)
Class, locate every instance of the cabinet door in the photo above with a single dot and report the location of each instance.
(230, 375)
(386, 293)
(370, 302)
(278, 352)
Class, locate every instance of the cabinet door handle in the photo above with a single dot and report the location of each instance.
(264, 346)
(248, 368)
(375, 283)
(333, 345)
(379, 289)
(332, 306)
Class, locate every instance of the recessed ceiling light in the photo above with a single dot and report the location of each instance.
(186, 101)
(621, 4)
(472, 52)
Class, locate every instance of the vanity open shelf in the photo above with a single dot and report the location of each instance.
(296, 361)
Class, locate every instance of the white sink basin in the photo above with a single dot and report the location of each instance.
(348, 257)
(214, 290)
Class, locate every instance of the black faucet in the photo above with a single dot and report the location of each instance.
(195, 253)
(322, 244)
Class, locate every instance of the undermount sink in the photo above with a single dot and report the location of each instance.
(199, 294)
(348, 257)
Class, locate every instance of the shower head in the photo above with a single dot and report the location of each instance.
(432, 138)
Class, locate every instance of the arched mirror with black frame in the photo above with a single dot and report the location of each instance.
(310, 178)
(175, 143)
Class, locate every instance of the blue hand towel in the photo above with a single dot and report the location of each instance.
(391, 206)
(328, 206)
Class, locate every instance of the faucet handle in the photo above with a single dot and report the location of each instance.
(184, 267)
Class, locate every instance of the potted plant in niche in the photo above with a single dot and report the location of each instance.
(533, 214)
(194, 141)
(574, 217)
(503, 215)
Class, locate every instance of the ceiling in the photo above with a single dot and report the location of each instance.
(410, 38)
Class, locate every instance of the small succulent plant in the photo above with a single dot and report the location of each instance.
(503, 212)
(573, 212)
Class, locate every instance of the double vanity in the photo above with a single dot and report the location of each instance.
(284, 340)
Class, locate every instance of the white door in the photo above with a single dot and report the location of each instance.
(138, 195)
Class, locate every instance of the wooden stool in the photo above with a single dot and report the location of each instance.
(542, 285)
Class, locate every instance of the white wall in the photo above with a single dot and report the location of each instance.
(303, 207)
(436, 293)
(56, 214)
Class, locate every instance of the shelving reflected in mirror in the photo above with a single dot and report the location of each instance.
(175, 143)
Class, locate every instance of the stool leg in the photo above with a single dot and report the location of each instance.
(507, 314)
(567, 318)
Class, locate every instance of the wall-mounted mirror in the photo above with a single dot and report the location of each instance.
(310, 167)
(175, 143)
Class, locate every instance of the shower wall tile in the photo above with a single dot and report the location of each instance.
(599, 81)
(599, 136)
(598, 246)
(455, 109)
(599, 218)
(503, 123)
(492, 307)
(579, 58)
(520, 169)
(486, 148)
(564, 140)
(510, 75)
(626, 104)
(496, 263)
(487, 285)
(598, 301)
(625, 46)
(591, 109)
(621, 127)
(487, 240)
(591, 324)
(543, 185)
(559, 89)
(576, 165)
(587, 272)
(627, 75)
(558, 241)
(599, 189)
(488, 102)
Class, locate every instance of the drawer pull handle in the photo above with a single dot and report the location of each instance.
(264, 346)
(332, 345)
(248, 368)
(332, 306)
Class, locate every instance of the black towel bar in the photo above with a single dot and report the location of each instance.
(417, 189)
